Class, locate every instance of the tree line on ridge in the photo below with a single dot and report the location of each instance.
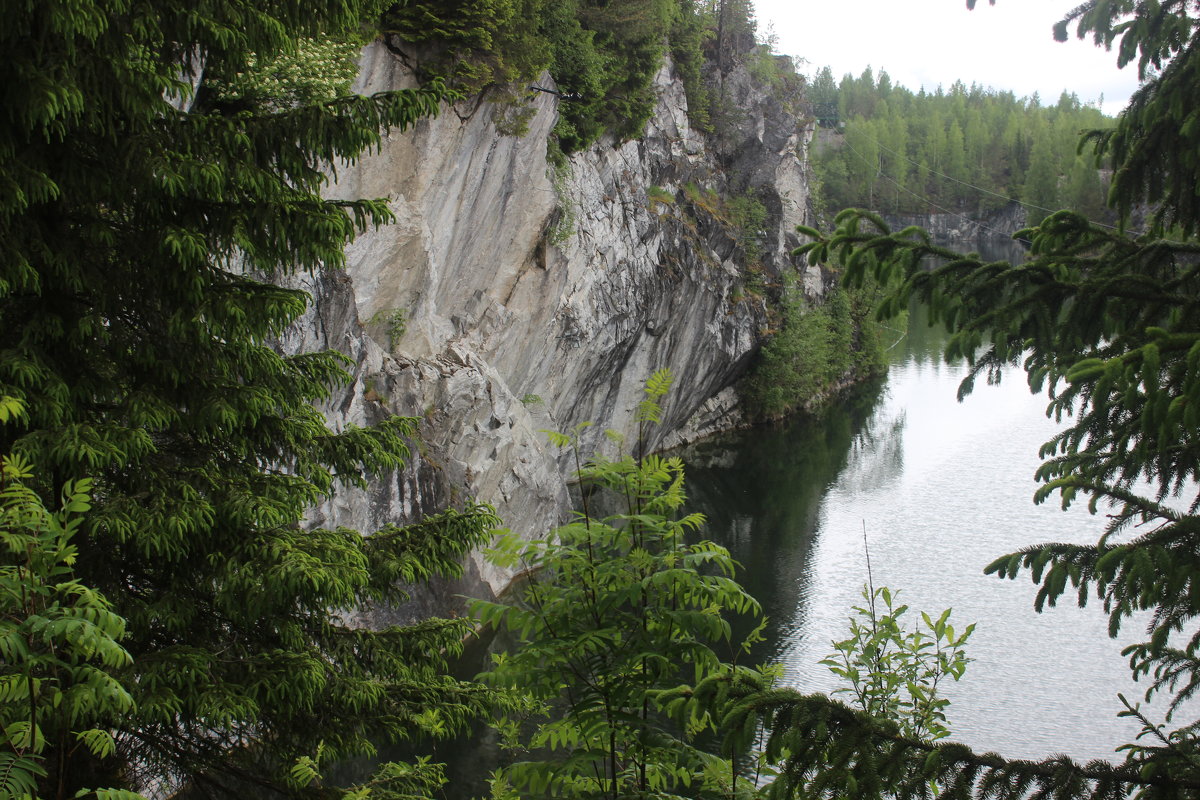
(965, 150)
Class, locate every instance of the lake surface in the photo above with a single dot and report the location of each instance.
(942, 488)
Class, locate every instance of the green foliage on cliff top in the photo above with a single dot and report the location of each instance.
(601, 55)
(487, 42)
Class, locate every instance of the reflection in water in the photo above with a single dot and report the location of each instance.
(876, 458)
(762, 491)
(941, 488)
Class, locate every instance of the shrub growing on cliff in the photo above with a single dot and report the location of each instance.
(748, 215)
(816, 348)
(136, 315)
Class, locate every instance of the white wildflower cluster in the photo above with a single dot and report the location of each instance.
(316, 71)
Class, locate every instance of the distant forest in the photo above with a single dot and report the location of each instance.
(968, 150)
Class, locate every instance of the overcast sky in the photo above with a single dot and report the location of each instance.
(928, 42)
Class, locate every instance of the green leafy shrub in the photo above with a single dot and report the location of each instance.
(60, 651)
(893, 672)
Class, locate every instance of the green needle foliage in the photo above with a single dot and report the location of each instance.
(1153, 146)
(619, 618)
(1108, 324)
(141, 248)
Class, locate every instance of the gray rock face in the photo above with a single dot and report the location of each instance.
(960, 230)
(509, 297)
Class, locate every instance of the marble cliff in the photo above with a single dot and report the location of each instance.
(510, 297)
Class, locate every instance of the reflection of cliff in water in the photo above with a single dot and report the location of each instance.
(999, 248)
(958, 232)
(924, 343)
(761, 491)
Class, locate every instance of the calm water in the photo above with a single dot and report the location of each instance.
(942, 489)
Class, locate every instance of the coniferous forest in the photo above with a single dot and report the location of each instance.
(171, 625)
(962, 150)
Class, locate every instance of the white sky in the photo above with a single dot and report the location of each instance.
(928, 42)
